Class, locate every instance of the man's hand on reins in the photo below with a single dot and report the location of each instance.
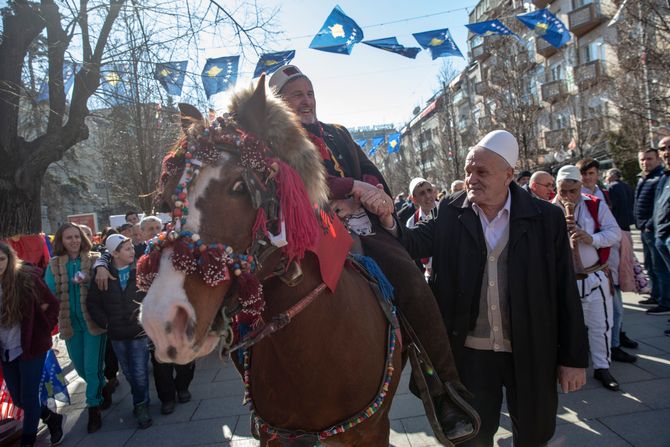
(376, 201)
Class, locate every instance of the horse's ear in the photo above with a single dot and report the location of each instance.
(189, 115)
(252, 113)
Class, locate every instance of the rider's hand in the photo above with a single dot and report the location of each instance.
(102, 277)
(377, 202)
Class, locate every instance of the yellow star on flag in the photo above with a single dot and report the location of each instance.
(436, 42)
(212, 72)
(113, 78)
(337, 30)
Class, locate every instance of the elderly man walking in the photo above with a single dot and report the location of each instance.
(593, 233)
(541, 185)
(507, 292)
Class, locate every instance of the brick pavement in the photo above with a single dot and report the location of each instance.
(638, 415)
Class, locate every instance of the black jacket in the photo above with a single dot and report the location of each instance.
(644, 199)
(117, 310)
(547, 323)
(662, 207)
(622, 199)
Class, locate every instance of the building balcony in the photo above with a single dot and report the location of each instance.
(553, 91)
(592, 128)
(463, 125)
(557, 139)
(589, 74)
(497, 77)
(480, 53)
(584, 19)
(459, 97)
(544, 48)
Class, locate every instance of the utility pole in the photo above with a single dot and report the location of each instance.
(645, 72)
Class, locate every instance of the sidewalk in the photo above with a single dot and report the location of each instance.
(638, 415)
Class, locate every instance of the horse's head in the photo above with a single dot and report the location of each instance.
(229, 185)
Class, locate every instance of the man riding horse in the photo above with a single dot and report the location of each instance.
(350, 176)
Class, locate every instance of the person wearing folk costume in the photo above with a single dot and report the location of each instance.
(594, 231)
(506, 288)
(352, 175)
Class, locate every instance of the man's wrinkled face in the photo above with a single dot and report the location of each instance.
(487, 177)
(151, 228)
(299, 95)
(590, 177)
(424, 195)
(664, 149)
(648, 160)
(570, 191)
(543, 187)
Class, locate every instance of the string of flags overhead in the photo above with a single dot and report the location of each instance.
(338, 34)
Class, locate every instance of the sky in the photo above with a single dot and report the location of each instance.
(371, 86)
(368, 87)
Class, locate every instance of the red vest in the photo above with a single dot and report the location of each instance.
(592, 205)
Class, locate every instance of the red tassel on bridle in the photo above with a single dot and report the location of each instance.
(147, 269)
(250, 292)
(302, 227)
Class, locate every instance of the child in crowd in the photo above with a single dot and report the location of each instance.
(117, 309)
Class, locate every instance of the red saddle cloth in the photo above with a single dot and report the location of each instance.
(332, 250)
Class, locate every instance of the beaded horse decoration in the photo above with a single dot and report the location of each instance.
(287, 191)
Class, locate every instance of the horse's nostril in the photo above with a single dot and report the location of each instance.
(182, 323)
(172, 352)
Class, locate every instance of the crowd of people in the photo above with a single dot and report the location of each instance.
(488, 324)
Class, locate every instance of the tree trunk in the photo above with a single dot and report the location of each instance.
(20, 207)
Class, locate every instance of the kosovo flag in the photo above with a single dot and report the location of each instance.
(271, 62)
(394, 143)
(439, 42)
(69, 70)
(490, 27)
(219, 74)
(111, 78)
(391, 44)
(361, 142)
(376, 142)
(171, 76)
(338, 34)
(547, 26)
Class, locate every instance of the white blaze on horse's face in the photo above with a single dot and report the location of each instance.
(167, 316)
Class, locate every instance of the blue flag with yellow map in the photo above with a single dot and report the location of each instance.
(271, 62)
(376, 142)
(547, 26)
(394, 143)
(391, 44)
(171, 76)
(361, 142)
(439, 42)
(219, 74)
(490, 27)
(338, 34)
(70, 69)
(113, 85)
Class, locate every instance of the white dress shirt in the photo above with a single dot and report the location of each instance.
(609, 233)
(494, 229)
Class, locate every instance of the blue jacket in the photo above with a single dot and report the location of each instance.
(644, 199)
(662, 207)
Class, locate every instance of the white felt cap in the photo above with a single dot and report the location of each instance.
(569, 172)
(502, 143)
(414, 183)
(285, 74)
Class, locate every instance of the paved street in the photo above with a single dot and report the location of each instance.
(638, 415)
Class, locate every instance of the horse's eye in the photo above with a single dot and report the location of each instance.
(239, 186)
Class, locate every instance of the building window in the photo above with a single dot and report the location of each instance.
(557, 72)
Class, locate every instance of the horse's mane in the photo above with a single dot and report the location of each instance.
(284, 133)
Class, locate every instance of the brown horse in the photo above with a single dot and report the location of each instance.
(330, 362)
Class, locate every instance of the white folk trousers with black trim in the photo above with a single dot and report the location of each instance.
(597, 307)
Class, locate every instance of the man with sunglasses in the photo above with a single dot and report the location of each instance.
(542, 185)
